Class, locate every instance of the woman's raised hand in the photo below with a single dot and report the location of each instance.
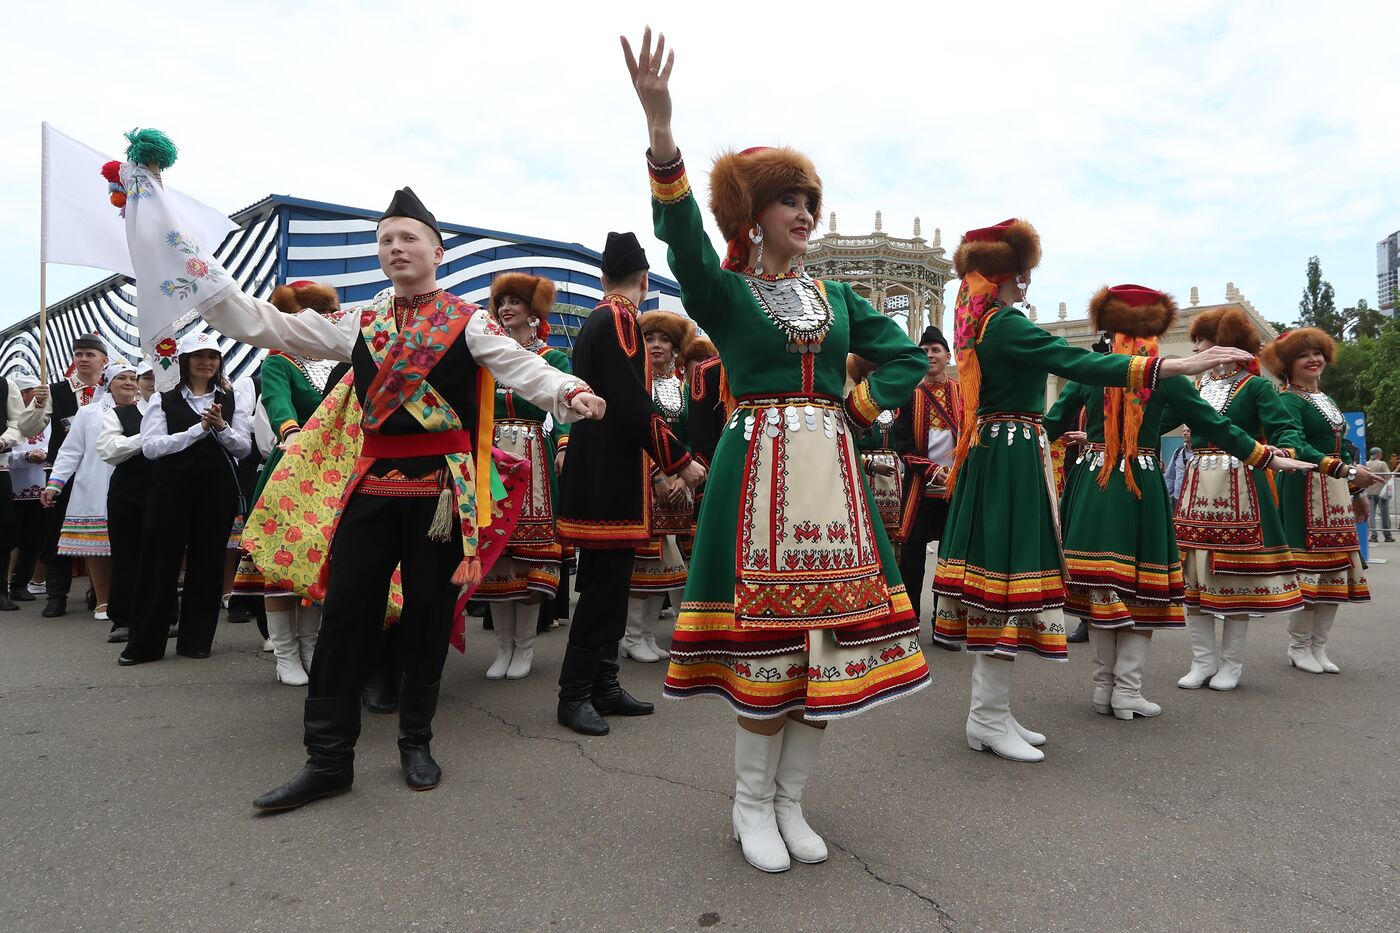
(651, 79)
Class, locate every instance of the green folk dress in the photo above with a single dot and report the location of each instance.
(1235, 556)
(1316, 507)
(1000, 579)
(1120, 548)
(532, 560)
(793, 600)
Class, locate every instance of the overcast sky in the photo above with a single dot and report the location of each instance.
(1180, 144)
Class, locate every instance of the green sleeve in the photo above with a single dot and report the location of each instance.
(1185, 406)
(559, 361)
(692, 259)
(278, 377)
(1064, 414)
(900, 364)
(1281, 417)
(1035, 348)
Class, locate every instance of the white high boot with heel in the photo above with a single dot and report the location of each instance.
(282, 633)
(1232, 636)
(527, 623)
(990, 725)
(1128, 700)
(503, 624)
(756, 759)
(1300, 642)
(1105, 647)
(1324, 614)
(652, 622)
(1204, 662)
(634, 644)
(801, 743)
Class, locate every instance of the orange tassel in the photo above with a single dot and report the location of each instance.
(1122, 417)
(970, 385)
(725, 396)
(468, 573)
(485, 436)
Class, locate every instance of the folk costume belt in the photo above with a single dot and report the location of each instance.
(396, 485)
(1094, 453)
(405, 446)
(774, 414)
(1005, 424)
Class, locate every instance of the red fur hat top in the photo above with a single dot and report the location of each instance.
(1227, 326)
(1009, 248)
(681, 330)
(1280, 353)
(305, 296)
(1133, 310)
(743, 183)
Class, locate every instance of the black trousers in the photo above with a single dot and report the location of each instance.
(928, 526)
(124, 530)
(603, 583)
(9, 521)
(189, 523)
(29, 533)
(58, 569)
(375, 534)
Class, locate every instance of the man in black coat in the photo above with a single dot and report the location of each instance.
(605, 490)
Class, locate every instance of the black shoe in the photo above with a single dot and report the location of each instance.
(238, 614)
(57, 606)
(332, 726)
(126, 661)
(947, 645)
(193, 655)
(609, 699)
(119, 634)
(1079, 635)
(7, 604)
(21, 594)
(577, 676)
(378, 695)
(417, 705)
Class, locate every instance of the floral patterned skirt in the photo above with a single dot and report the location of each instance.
(513, 578)
(659, 572)
(1212, 588)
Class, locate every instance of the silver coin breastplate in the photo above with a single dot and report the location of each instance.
(1324, 404)
(797, 307)
(666, 393)
(1218, 392)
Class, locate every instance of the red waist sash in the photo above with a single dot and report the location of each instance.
(428, 444)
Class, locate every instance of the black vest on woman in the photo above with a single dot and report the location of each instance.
(132, 477)
(204, 463)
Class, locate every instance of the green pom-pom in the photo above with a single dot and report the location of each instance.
(150, 147)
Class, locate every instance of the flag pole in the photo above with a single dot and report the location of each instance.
(43, 324)
(43, 267)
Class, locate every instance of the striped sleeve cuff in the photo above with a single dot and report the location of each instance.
(861, 408)
(55, 484)
(287, 427)
(1142, 372)
(563, 442)
(669, 183)
(1260, 458)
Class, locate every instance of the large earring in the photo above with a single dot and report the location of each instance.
(535, 325)
(1022, 285)
(756, 237)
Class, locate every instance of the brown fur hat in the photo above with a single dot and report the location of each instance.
(1010, 248)
(305, 296)
(1132, 310)
(537, 291)
(680, 329)
(699, 348)
(1280, 354)
(858, 367)
(1227, 326)
(743, 183)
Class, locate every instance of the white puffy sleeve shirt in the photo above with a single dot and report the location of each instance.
(236, 438)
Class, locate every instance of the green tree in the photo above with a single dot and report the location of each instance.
(1381, 379)
(1345, 379)
(1318, 308)
(1362, 320)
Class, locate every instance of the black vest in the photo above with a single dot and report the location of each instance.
(453, 379)
(132, 477)
(5, 404)
(64, 405)
(204, 463)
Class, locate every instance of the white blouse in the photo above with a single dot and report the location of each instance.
(236, 438)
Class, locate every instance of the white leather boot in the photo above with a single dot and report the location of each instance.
(989, 723)
(653, 621)
(1300, 642)
(281, 632)
(755, 824)
(1033, 739)
(1324, 615)
(1232, 635)
(634, 644)
(1204, 664)
(801, 743)
(527, 622)
(1105, 647)
(1128, 700)
(503, 624)
(308, 628)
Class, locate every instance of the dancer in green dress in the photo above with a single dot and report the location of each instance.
(1000, 577)
(1319, 511)
(1125, 576)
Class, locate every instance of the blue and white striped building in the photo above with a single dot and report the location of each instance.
(283, 239)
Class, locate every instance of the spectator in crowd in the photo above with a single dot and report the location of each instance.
(1380, 496)
(1176, 468)
(28, 461)
(119, 445)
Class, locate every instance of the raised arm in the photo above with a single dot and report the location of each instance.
(307, 333)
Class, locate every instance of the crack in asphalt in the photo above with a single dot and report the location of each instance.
(945, 919)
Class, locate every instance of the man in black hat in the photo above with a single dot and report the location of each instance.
(57, 404)
(604, 507)
(416, 353)
(926, 435)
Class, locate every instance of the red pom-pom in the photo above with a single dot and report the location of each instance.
(112, 171)
(118, 199)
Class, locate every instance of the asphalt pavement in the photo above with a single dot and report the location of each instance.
(1274, 807)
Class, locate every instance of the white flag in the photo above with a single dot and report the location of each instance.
(80, 225)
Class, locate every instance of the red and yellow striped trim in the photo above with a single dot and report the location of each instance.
(1142, 372)
(669, 183)
(861, 407)
(1259, 457)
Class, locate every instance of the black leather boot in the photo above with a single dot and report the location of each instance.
(55, 607)
(332, 726)
(379, 695)
(417, 704)
(576, 679)
(19, 591)
(609, 698)
(6, 603)
(1080, 634)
